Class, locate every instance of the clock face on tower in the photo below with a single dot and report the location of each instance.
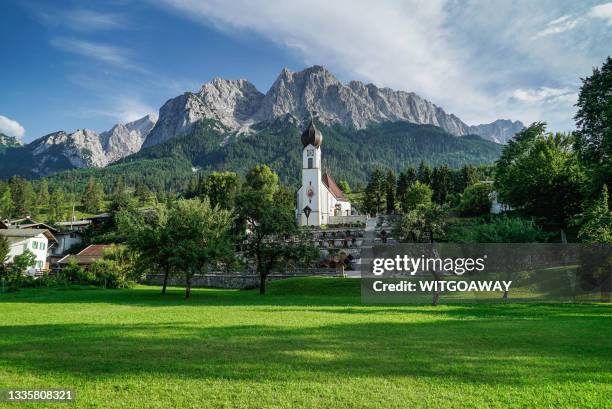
(310, 153)
(310, 193)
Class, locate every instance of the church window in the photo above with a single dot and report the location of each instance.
(310, 164)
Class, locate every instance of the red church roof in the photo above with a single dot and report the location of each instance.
(330, 183)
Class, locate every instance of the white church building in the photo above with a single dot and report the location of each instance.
(319, 200)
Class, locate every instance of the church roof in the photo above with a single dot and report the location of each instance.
(312, 136)
(330, 183)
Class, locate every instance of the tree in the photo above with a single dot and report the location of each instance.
(467, 176)
(6, 202)
(424, 173)
(419, 194)
(143, 193)
(406, 178)
(120, 198)
(148, 234)
(94, 194)
(42, 197)
(200, 238)
(262, 178)
(390, 186)
(596, 224)
(540, 174)
(23, 262)
(374, 192)
(221, 188)
(344, 186)
(441, 183)
(23, 195)
(476, 200)
(421, 221)
(594, 124)
(57, 205)
(268, 229)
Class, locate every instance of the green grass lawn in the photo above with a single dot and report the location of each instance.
(308, 343)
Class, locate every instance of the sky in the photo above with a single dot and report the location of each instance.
(67, 65)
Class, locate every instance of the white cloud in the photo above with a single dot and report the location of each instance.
(107, 53)
(540, 94)
(403, 45)
(478, 60)
(603, 11)
(559, 25)
(76, 19)
(11, 127)
(87, 20)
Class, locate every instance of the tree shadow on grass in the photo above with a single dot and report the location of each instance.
(490, 351)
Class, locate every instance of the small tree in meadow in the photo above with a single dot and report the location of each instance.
(148, 235)
(199, 236)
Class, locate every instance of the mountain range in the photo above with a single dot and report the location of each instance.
(235, 109)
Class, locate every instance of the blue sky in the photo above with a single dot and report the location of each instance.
(67, 65)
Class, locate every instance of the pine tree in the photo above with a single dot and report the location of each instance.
(23, 196)
(390, 187)
(94, 194)
(406, 178)
(374, 192)
(42, 198)
(57, 205)
(143, 193)
(424, 173)
(441, 183)
(467, 176)
(6, 203)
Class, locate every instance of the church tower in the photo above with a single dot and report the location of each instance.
(310, 201)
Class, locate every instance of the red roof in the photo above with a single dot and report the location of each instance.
(95, 250)
(88, 255)
(330, 183)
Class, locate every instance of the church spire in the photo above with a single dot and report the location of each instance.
(311, 135)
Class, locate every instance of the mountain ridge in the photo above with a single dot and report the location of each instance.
(238, 105)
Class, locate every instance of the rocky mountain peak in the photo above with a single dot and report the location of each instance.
(9, 141)
(86, 148)
(237, 105)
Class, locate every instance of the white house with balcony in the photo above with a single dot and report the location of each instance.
(38, 241)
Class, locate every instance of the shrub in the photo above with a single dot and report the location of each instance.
(499, 230)
(110, 274)
(73, 273)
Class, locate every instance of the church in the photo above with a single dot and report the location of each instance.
(319, 200)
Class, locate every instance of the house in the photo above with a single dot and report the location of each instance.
(25, 223)
(71, 234)
(38, 241)
(319, 199)
(75, 225)
(100, 220)
(86, 257)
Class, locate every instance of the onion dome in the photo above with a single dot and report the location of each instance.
(312, 136)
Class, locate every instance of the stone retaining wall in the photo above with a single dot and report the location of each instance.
(207, 280)
(235, 281)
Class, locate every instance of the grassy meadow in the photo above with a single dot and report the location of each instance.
(308, 343)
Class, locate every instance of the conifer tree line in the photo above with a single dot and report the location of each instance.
(389, 193)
